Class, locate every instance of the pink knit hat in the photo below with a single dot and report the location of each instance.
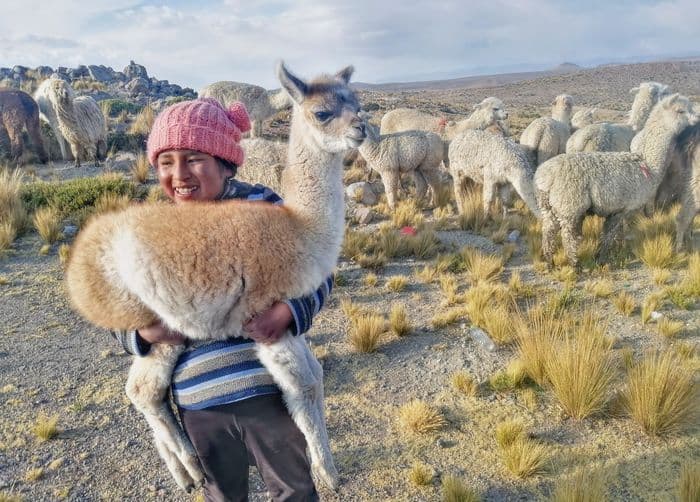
(203, 125)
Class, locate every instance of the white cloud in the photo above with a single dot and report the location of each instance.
(236, 40)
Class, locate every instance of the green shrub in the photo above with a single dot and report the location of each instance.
(71, 196)
(113, 107)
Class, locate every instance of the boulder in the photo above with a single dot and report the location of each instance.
(361, 192)
(137, 86)
(364, 215)
(101, 73)
(134, 70)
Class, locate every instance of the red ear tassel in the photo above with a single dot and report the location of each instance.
(239, 116)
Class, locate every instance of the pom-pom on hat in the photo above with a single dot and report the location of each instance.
(203, 125)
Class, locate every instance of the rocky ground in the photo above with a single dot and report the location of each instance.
(54, 364)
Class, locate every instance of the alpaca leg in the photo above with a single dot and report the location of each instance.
(76, 151)
(504, 193)
(683, 221)
(34, 130)
(421, 185)
(432, 176)
(550, 227)
(390, 179)
(147, 387)
(488, 194)
(611, 235)
(460, 189)
(288, 363)
(571, 238)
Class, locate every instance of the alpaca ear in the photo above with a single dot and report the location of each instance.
(345, 74)
(634, 90)
(295, 87)
(664, 91)
(672, 99)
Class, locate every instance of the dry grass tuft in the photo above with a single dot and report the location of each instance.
(8, 234)
(465, 383)
(651, 304)
(441, 217)
(668, 328)
(481, 267)
(420, 418)
(661, 394)
(657, 252)
(143, 122)
(46, 428)
(472, 218)
(455, 490)
(450, 316)
(13, 215)
(624, 303)
(366, 330)
(156, 194)
(660, 276)
(47, 221)
(691, 278)
(525, 458)
(498, 323)
(582, 486)
(33, 474)
(600, 288)
(371, 261)
(420, 474)
(566, 274)
(686, 350)
(141, 168)
(110, 202)
(509, 432)
(63, 254)
(581, 373)
(536, 335)
(398, 320)
(407, 213)
(689, 483)
(370, 280)
(10, 497)
(397, 283)
(529, 398)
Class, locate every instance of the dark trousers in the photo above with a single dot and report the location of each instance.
(256, 431)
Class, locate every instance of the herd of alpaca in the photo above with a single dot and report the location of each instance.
(128, 269)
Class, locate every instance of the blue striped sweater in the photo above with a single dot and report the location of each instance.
(213, 373)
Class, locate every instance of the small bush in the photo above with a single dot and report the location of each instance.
(420, 474)
(660, 394)
(624, 303)
(407, 213)
(366, 331)
(114, 107)
(396, 283)
(508, 432)
(657, 252)
(370, 280)
(455, 490)
(525, 458)
(47, 221)
(582, 486)
(481, 267)
(398, 320)
(465, 383)
(689, 483)
(143, 122)
(141, 168)
(668, 328)
(45, 428)
(420, 418)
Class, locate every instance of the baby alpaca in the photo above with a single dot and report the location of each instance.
(417, 153)
(149, 262)
(546, 137)
(609, 184)
(495, 162)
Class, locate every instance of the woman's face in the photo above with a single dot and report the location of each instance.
(188, 175)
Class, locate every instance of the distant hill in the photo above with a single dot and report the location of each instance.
(474, 82)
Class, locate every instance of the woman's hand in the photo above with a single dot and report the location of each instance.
(267, 327)
(158, 333)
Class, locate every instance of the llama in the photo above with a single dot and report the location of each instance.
(418, 153)
(609, 184)
(688, 174)
(264, 162)
(260, 103)
(546, 137)
(495, 162)
(17, 111)
(609, 137)
(582, 118)
(79, 120)
(42, 96)
(128, 269)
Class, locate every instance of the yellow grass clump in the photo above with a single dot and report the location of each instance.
(46, 428)
(525, 458)
(371, 261)
(370, 280)
(472, 216)
(660, 394)
(47, 221)
(465, 383)
(366, 330)
(398, 320)
(397, 283)
(407, 214)
(657, 252)
(581, 373)
(689, 483)
(13, 215)
(668, 328)
(110, 202)
(143, 122)
(624, 303)
(140, 168)
(420, 418)
(581, 486)
(498, 323)
(651, 303)
(33, 474)
(420, 474)
(508, 432)
(537, 332)
(660, 276)
(691, 277)
(450, 316)
(481, 267)
(63, 254)
(8, 234)
(441, 217)
(455, 490)
(10, 497)
(156, 194)
(600, 288)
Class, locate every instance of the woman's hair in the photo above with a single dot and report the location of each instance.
(228, 165)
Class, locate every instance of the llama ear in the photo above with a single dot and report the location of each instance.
(634, 90)
(345, 74)
(295, 87)
(670, 100)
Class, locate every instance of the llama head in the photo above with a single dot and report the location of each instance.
(647, 94)
(493, 108)
(674, 113)
(62, 90)
(326, 108)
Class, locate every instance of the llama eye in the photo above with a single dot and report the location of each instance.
(323, 116)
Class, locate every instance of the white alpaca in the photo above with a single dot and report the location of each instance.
(583, 118)
(78, 120)
(417, 153)
(609, 184)
(260, 103)
(264, 162)
(494, 161)
(151, 262)
(546, 137)
(610, 137)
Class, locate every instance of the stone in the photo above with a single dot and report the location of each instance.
(137, 86)
(364, 215)
(101, 73)
(70, 230)
(513, 236)
(134, 70)
(361, 192)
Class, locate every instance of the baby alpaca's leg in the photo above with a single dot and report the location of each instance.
(147, 388)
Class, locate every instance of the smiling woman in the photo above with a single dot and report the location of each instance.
(188, 175)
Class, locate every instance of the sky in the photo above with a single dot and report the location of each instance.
(195, 43)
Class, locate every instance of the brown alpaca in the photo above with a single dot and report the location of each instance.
(205, 268)
(17, 111)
